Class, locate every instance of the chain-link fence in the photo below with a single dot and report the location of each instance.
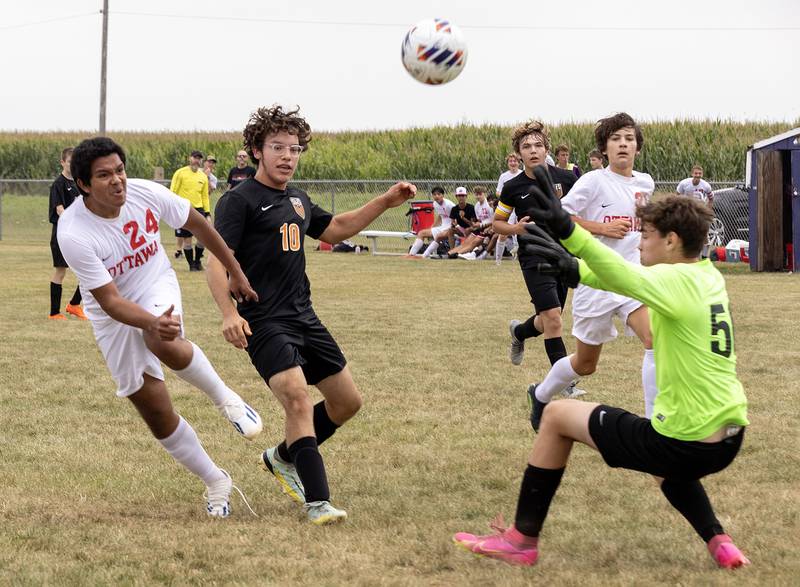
(24, 203)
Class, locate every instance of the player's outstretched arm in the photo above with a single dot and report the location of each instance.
(202, 229)
(617, 228)
(348, 224)
(123, 310)
(235, 329)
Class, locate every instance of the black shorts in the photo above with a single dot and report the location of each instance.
(55, 250)
(183, 233)
(629, 441)
(547, 292)
(278, 345)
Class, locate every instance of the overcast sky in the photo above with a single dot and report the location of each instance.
(206, 64)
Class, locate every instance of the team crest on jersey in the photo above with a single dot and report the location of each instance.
(559, 190)
(297, 203)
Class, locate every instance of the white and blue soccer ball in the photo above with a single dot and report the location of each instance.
(434, 51)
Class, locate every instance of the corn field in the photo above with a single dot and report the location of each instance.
(465, 151)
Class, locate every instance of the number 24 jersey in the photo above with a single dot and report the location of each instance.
(127, 249)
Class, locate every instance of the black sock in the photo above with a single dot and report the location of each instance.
(198, 253)
(310, 468)
(76, 297)
(324, 428)
(537, 491)
(283, 452)
(55, 298)
(189, 254)
(555, 349)
(526, 329)
(690, 499)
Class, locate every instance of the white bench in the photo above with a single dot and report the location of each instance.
(374, 235)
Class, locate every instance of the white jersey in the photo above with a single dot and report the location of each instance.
(504, 177)
(484, 212)
(212, 182)
(127, 249)
(443, 211)
(701, 191)
(605, 196)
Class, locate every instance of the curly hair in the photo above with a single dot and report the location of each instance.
(85, 154)
(532, 127)
(608, 126)
(686, 217)
(269, 121)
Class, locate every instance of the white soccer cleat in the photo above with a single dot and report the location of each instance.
(244, 418)
(517, 349)
(285, 473)
(322, 513)
(218, 497)
(571, 391)
(467, 256)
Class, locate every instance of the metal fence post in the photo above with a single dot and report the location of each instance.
(1, 212)
(333, 199)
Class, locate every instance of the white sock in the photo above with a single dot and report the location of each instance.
(185, 447)
(416, 247)
(499, 247)
(560, 375)
(431, 249)
(200, 373)
(649, 382)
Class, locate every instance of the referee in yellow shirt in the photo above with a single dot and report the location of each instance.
(191, 182)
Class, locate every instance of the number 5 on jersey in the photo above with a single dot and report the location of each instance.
(290, 237)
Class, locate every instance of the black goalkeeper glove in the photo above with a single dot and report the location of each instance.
(559, 261)
(549, 211)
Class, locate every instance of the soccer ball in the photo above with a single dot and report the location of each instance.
(434, 51)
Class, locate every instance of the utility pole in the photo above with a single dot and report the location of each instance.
(104, 60)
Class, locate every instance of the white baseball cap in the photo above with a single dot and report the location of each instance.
(461, 191)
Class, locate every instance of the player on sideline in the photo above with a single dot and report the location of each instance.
(531, 142)
(605, 204)
(63, 192)
(265, 221)
(111, 241)
(701, 410)
(442, 208)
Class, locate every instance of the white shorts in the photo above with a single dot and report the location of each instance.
(437, 230)
(596, 330)
(123, 347)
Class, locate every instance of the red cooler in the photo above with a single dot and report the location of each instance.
(421, 213)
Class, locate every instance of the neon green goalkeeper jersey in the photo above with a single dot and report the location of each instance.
(698, 391)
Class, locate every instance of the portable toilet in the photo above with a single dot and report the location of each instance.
(773, 180)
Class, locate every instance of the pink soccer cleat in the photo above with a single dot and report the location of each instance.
(725, 552)
(506, 544)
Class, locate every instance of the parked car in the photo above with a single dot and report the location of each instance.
(731, 216)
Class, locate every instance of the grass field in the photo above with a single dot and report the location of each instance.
(89, 497)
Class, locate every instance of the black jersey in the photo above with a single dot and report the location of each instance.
(515, 197)
(237, 176)
(63, 192)
(465, 217)
(266, 229)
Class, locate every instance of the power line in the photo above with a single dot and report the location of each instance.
(56, 19)
(555, 28)
(487, 27)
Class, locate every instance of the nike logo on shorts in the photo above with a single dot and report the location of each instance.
(602, 415)
(523, 197)
(606, 205)
(265, 208)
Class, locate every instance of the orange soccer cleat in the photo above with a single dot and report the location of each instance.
(76, 311)
(58, 316)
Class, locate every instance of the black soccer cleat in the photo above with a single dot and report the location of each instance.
(536, 407)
